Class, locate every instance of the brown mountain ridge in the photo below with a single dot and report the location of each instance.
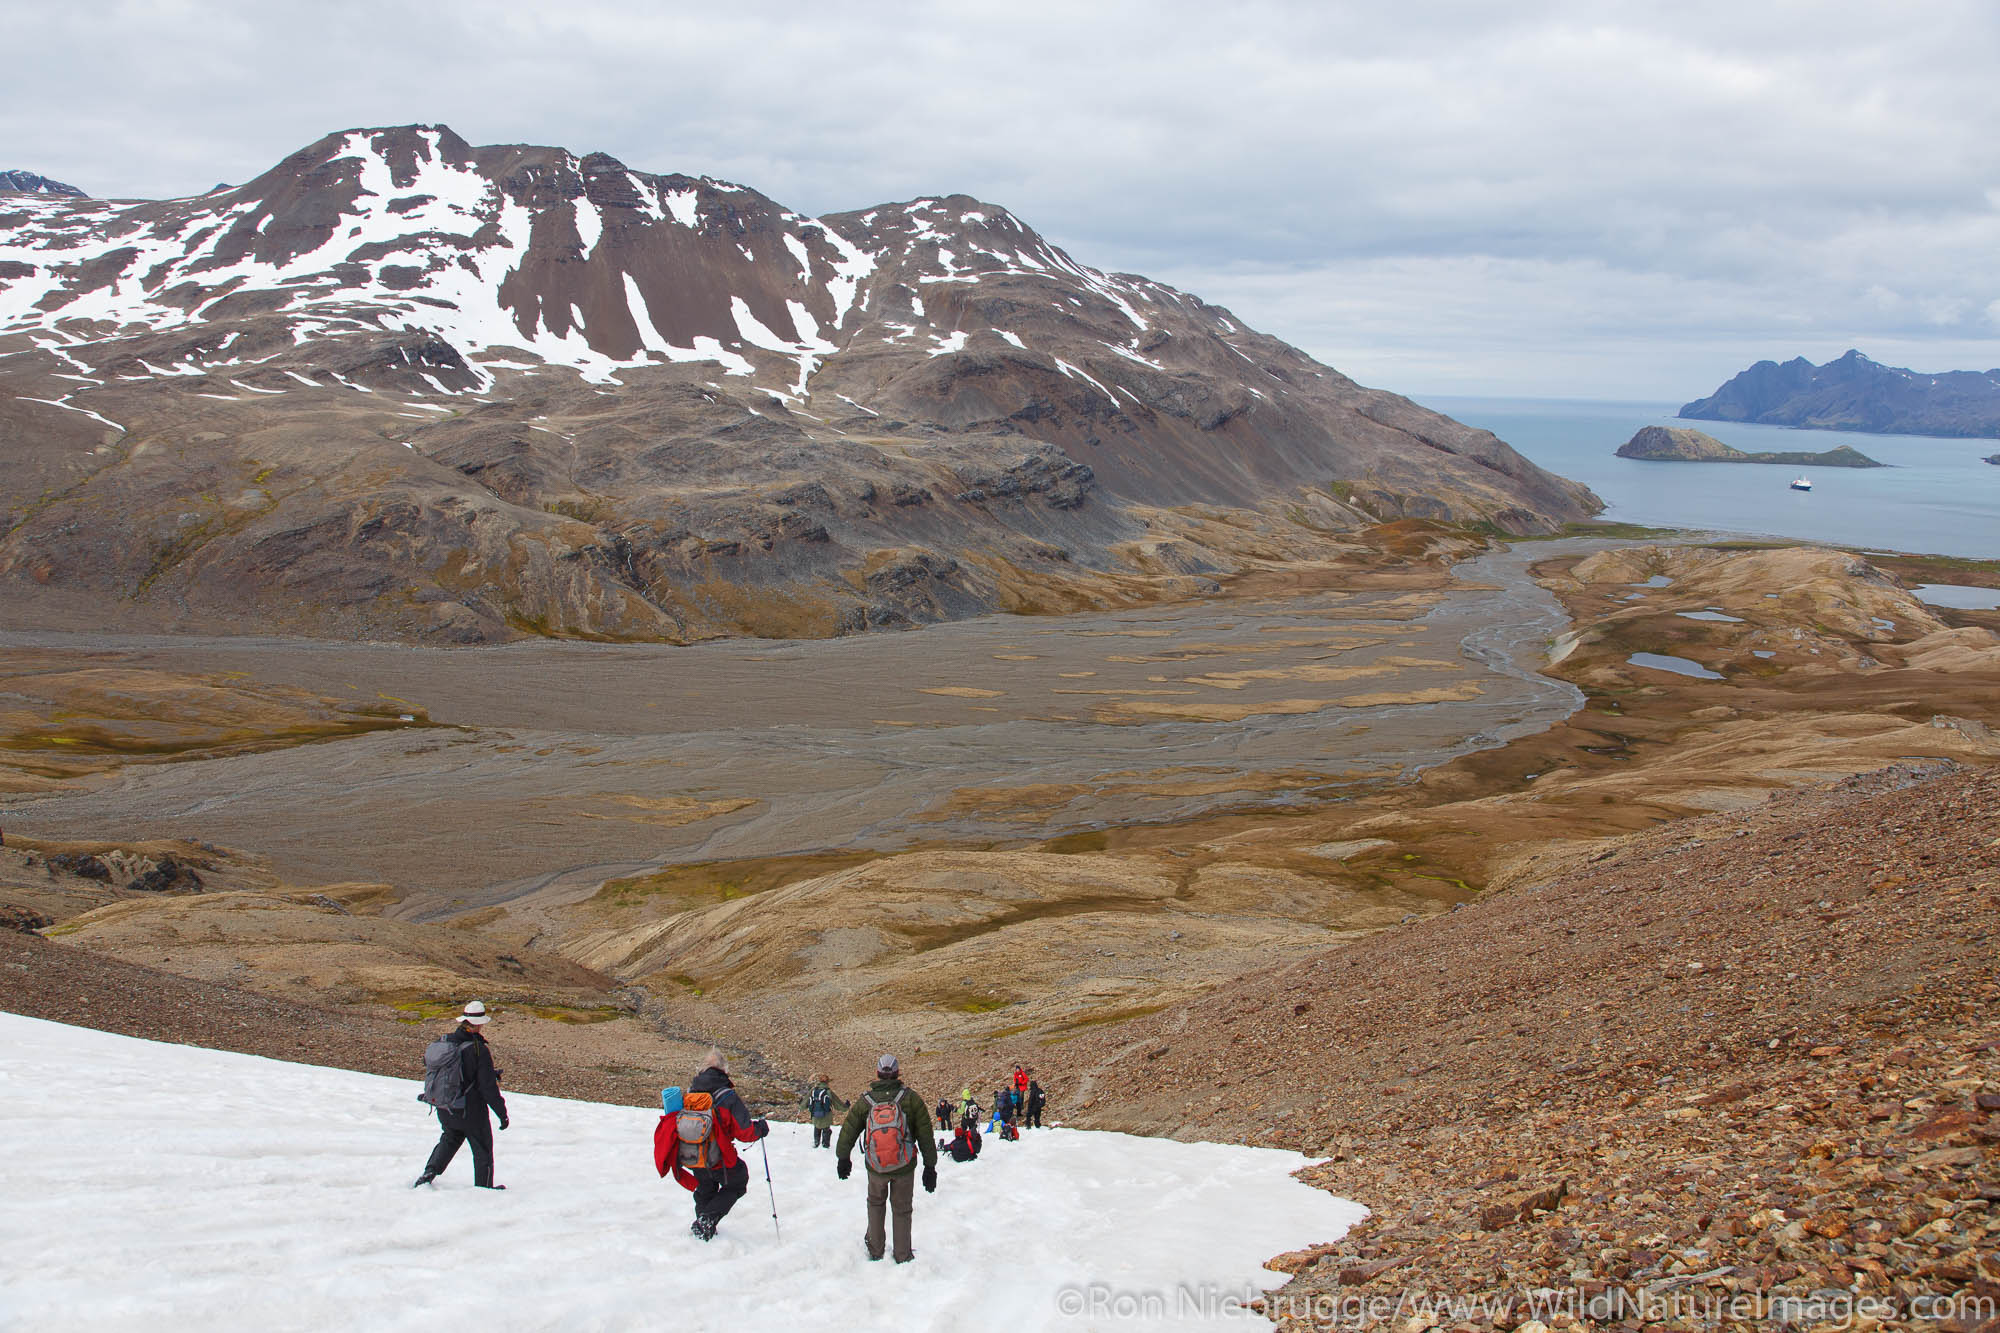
(402, 386)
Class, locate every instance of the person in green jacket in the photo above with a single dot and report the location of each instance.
(893, 1126)
(821, 1102)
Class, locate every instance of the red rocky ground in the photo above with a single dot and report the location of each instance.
(1737, 1071)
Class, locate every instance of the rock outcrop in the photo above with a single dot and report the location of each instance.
(1855, 393)
(402, 386)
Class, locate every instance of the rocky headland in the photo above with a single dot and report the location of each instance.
(1674, 445)
(1854, 393)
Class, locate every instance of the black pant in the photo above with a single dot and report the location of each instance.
(1034, 1116)
(470, 1127)
(822, 1136)
(717, 1188)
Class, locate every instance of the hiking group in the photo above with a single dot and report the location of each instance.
(1017, 1104)
(701, 1124)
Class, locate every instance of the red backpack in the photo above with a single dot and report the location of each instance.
(695, 1126)
(886, 1142)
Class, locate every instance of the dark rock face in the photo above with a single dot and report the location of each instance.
(79, 864)
(168, 876)
(1666, 444)
(401, 385)
(27, 182)
(13, 917)
(1857, 394)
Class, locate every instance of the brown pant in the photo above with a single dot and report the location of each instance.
(892, 1193)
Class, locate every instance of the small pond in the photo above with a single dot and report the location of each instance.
(1958, 596)
(1680, 666)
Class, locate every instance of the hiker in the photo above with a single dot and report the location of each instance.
(966, 1106)
(1036, 1100)
(999, 1110)
(964, 1143)
(1010, 1114)
(945, 1118)
(464, 1083)
(893, 1126)
(1020, 1087)
(697, 1142)
(821, 1103)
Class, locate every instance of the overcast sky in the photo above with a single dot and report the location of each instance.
(1535, 199)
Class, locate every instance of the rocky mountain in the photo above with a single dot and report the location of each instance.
(1665, 444)
(27, 182)
(399, 385)
(1855, 393)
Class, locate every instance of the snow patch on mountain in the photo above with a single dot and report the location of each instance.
(455, 229)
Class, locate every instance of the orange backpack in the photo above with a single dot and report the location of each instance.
(886, 1142)
(696, 1128)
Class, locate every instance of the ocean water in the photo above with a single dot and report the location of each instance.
(1937, 497)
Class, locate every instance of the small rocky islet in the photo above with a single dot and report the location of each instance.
(1670, 444)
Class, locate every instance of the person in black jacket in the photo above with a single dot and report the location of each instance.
(717, 1188)
(482, 1089)
(1036, 1100)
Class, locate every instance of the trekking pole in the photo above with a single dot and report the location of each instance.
(770, 1189)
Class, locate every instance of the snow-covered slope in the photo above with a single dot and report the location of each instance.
(151, 1186)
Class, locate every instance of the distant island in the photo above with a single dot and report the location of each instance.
(1855, 393)
(1666, 444)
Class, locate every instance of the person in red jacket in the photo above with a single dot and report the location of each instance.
(698, 1144)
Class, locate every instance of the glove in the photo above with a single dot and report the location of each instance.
(763, 1128)
(503, 1122)
(930, 1180)
(844, 1167)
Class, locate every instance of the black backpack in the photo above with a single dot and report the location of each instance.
(820, 1102)
(444, 1075)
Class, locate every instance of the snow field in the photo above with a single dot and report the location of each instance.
(153, 1186)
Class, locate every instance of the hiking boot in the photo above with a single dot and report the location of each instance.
(703, 1229)
(490, 1187)
(874, 1255)
(423, 1180)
